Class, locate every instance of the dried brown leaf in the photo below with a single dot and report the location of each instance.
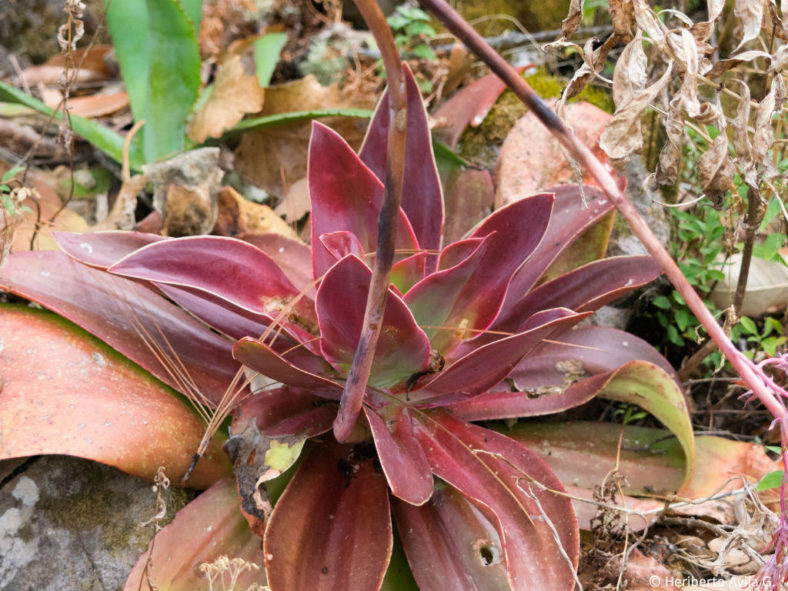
(234, 94)
(685, 51)
(670, 155)
(623, 137)
(622, 13)
(630, 77)
(723, 66)
(703, 30)
(648, 22)
(779, 59)
(741, 139)
(750, 15)
(593, 62)
(763, 138)
(715, 167)
(274, 157)
(572, 21)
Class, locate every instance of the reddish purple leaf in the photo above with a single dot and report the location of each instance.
(409, 271)
(486, 366)
(227, 268)
(264, 360)
(285, 411)
(401, 457)
(450, 544)
(496, 473)
(331, 528)
(293, 257)
(422, 198)
(592, 349)
(103, 249)
(342, 243)
(587, 288)
(346, 196)
(468, 296)
(116, 310)
(402, 349)
(561, 375)
(206, 529)
(570, 217)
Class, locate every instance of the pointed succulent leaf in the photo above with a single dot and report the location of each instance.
(103, 249)
(571, 217)
(331, 528)
(55, 376)
(401, 457)
(121, 313)
(450, 544)
(402, 349)
(496, 473)
(585, 351)
(342, 243)
(486, 366)
(267, 362)
(230, 269)
(409, 271)
(587, 288)
(466, 298)
(653, 389)
(345, 196)
(214, 527)
(422, 197)
(292, 256)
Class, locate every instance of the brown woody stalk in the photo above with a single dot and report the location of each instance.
(462, 30)
(355, 387)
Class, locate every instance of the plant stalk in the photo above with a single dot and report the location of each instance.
(356, 385)
(743, 366)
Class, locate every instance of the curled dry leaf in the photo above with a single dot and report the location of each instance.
(741, 140)
(703, 30)
(593, 62)
(234, 94)
(750, 15)
(630, 77)
(685, 51)
(715, 167)
(670, 155)
(723, 66)
(623, 136)
(572, 21)
(648, 22)
(622, 13)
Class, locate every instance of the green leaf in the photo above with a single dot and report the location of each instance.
(266, 55)
(106, 140)
(770, 344)
(661, 302)
(193, 9)
(173, 78)
(11, 173)
(424, 52)
(682, 318)
(771, 480)
(652, 389)
(127, 23)
(770, 325)
(294, 117)
(8, 204)
(748, 326)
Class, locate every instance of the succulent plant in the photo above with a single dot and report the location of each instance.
(481, 329)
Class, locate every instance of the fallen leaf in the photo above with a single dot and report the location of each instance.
(65, 392)
(275, 157)
(531, 159)
(210, 527)
(233, 94)
(295, 204)
(97, 105)
(239, 216)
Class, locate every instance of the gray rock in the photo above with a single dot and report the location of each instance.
(71, 524)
